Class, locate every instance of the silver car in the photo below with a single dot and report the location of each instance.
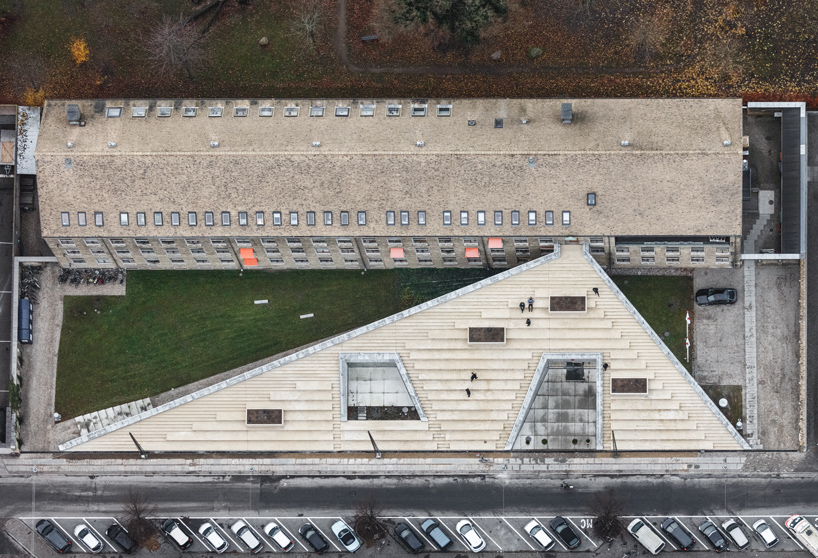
(765, 533)
(735, 532)
(212, 537)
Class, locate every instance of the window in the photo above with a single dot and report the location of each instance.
(191, 218)
(369, 242)
(515, 218)
(394, 242)
(328, 218)
(464, 217)
(242, 218)
(590, 198)
(243, 242)
(390, 217)
(65, 218)
(215, 111)
(549, 218)
(175, 220)
(404, 218)
(623, 250)
(81, 219)
(163, 112)
(367, 110)
(139, 112)
(77, 261)
(481, 218)
(596, 241)
(91, 242)
(672, 259)
(143, 242)
(393, 110)
(419, 110)
(646, 250)
(672, 251)
(189, 111)
(345, 242)
(276, 218)
(66, 242)
(566, 218)
(498, 218)
(113, 112)
(344, 218)
(140, 219)
(532, 218)
(469, 241)
(240, 111)
(447, 218)
(444, 241)
(623, 261)
(422, 218)
(266, 111)
(420, 242)
(123, 219)
(209, 219)
(225, 218)
(98, 221)
(117, 242)
(362, 218)
(648, 260)
(167, 242)
(103, 261)
(444, 110)
(218, 242)
(128, 261)
(269, 242)
(157, 218)
(290, 112)
(259, 218)
(311, 218)
(320, 242)
(294, 218)
(317, 111)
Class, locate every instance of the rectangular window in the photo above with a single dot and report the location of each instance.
(319, 242)
(259, 218)
(591, 198)
(98, 218)
(419, 110)
(481, 218)
(240, 111)
(648, 260)
(189, 111)
(294, 218)
(140, 218)
(215, 111)
(157, 218)
(209, 222)
(139, 112)
(191, 218)
(362, 218)
(117, 242)
(464, 217)
(81, 219)
(77, 261)
(269, 242)
(175, 220)
(344, 242)
(672, 259)
(532, 218)
(647, 250)
(515, 218)
(422, 218)
(66, 242)
(142, 242)
(65, 218)
(163, 112)
(103, 261)
(469, 241)
(290, 112)
(444, 110)
(444, 241)
(549, 218)
(367, 110)
(596, 241)
(394, 242)
(390, 217)
(113, 112)
(193, 242)
(91, 242)
(369, 242)
(218, 242)
(393, 110)
(225, 218)
(328, 218)
(566, 218)
(447, 218)
(317, 111)
(243, 242)
(311, 218)
(167, 242)
(242, 218)
(128, 261)
(266, 112)
(623, 250)
(498, 218)
(123, 219)
(404, 218)
(341, 111)
(344, 218)
(276, 218)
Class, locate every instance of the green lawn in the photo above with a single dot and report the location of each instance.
(175, 327)
(662, 301)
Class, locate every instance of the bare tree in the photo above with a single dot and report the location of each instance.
(174, 45)
(606, 509)
(137, 509)
(308, 22)
(367, 521)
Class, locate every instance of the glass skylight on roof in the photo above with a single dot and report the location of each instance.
(240, 111)
(444, 110)
(291, 111)
(367, 110)
(393, 110)
(215, 111)
(189, 111)
(163, 111)
(419, 111)
(113, 112)
(139, 112)
(316, 111)
(341, 111)
(265, 111)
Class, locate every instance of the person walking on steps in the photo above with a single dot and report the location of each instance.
(468, 392)
(473, 376)
(522, 307)
(531, 304)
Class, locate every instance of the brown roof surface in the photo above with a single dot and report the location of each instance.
(675, 178)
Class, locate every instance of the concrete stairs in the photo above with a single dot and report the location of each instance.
(98, 420)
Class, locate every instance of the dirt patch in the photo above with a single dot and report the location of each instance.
(487, 335)
(384, 413)
(629, 385)
(567, 303)
(733, 395)
(265, 416)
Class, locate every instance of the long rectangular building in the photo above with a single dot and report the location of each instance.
(344, 183)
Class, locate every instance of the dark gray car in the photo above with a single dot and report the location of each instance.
(408, 538)
(712, 296)
(53, 536)
(678, 533)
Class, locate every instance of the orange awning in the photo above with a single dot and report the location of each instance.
(250, 262)
(396, 253)
(495, 242)
(246, 253)
(472, 252)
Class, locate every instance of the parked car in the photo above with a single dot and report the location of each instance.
(90, 540)
(646, 536)
(346, 535)
(431, 528)
(212, 537)
(561, 528)
(470, 536)
(712, 296)
(408, 538)
(734, 530)
(53, 536)
(766, 534)
(121, 538)
(313, 538)
(535, 531)
(273, 531)
(678, 533)
(172, 530)
(709, 530)
(243, 531)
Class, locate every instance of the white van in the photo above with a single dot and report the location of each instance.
(646, 536)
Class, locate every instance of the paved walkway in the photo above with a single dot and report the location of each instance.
(751, 382)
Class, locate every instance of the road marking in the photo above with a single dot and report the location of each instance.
(553, 534)
(692, 531)
(753, 534)
(103, 539)
(82, 546)
(263, 542)
(787, 531)
(120, 524)
(658, 531)
(292, 537)
(484, 531)
(223, 530)
(455, 538)
(420, 532)
(583, 532)
(326, 538)
(519, 535)
(192, 532)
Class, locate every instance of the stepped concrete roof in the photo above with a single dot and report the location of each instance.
(431, 344)
(680, 173)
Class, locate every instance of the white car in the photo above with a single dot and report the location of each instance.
(470, 535)
(83, 533)
(273, 531)
(347, 537)
(243, 531)
(212, 537)
(535, 531)
(736, 533)
(765, 533)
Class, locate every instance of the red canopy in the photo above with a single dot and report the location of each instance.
(396, 253)
(472, 252)
(250, 262)
(246, 253)
(495, 242)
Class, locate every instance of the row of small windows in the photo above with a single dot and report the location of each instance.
(245, 217)
(289, 112)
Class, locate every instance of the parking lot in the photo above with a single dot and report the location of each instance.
(501, 533)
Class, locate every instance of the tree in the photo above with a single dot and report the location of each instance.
(174, 45)
(367, 521)
(79, 50)
(606, 508)
(464, 19)
(137, 509)
(307, 23)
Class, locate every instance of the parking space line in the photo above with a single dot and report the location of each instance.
(519, 535)
(787, 531)
(82, 546)
(263, 542)
(323, 535)
(223, 530)
(583, 532)
(553, 534)
(484, 531)
(658, 531)
(455, 538)
(192, 532)
(693, 531)
(103, 539)
(292, 537)
(420, 532)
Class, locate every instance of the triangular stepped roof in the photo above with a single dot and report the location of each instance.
(432, 342)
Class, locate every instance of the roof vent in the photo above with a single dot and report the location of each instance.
(316, 144)
(111, 144)
(727, 143)
(214, 144)
(625, 143)
(73, 113)
(472, 122)
(421, 144)
(498, 122)
(525, 120)
(567, 113)
(70, 144)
